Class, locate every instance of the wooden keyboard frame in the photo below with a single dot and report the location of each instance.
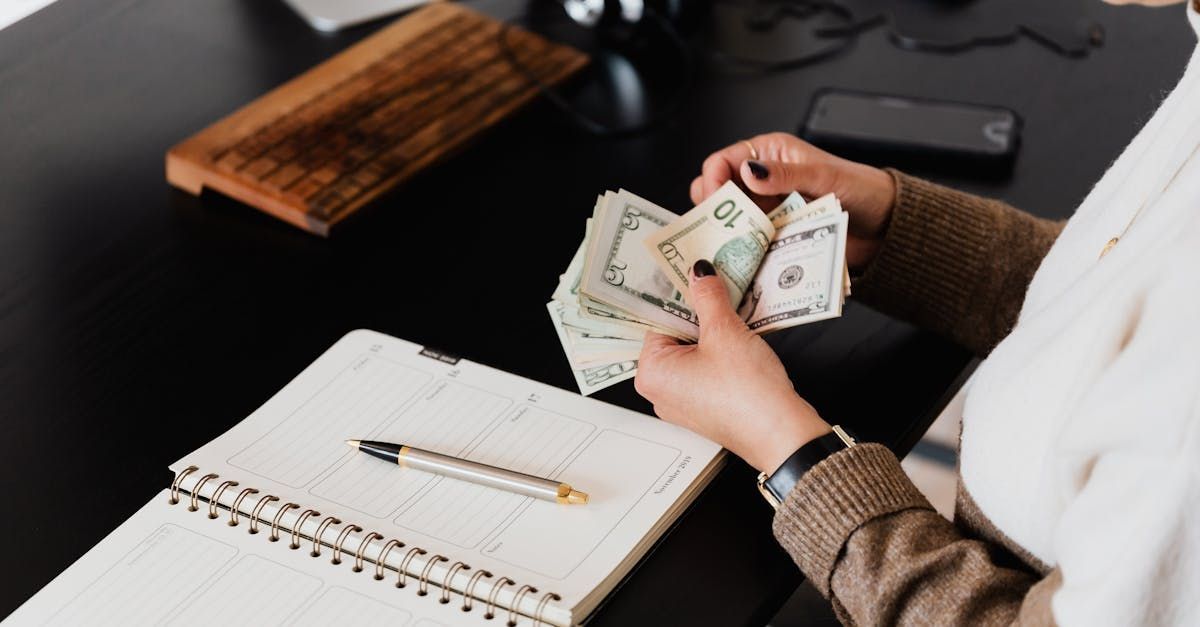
(192, 164)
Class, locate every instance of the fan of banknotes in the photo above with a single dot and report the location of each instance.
(630, 275)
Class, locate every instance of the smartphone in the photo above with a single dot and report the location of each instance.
(907, 132)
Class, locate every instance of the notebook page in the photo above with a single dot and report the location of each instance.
(168, 566)
(372, 386)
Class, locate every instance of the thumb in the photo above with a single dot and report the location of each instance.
(774, 178)
(710, 299)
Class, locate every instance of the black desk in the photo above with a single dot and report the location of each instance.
(136, 323)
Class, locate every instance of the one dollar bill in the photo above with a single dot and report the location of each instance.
(800, 280)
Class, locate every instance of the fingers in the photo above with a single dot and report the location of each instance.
(778, 177)
(656, 342)
(710, 299)
(698, 194)
(650, 375)
(782, 164)
(719, 168)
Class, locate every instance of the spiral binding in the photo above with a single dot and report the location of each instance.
(360, 557)
(275, 523)
(300, 525)
(329, 520)
(216, 498)
(490, 610)
(450, 572)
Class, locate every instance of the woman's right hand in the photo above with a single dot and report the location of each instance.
(787, 163)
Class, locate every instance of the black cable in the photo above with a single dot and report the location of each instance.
(765, 15)
(589, 124)
(771, 13)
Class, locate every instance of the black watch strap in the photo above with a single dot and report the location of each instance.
(777, 486)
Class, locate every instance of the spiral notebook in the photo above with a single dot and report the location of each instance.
(278, 521)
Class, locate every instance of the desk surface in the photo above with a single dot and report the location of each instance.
(136, 323)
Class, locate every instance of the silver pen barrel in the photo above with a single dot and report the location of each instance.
(482, 474)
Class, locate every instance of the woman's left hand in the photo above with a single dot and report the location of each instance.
(730, 387)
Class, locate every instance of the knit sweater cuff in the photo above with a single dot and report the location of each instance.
(835, 498)
(935, 246)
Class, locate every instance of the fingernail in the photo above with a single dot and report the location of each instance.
(759, 170)
(703, 268)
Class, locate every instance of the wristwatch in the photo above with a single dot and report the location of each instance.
(776, 487)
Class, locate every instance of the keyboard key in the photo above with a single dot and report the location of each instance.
(285, 176)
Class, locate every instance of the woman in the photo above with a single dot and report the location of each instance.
(1079, 496)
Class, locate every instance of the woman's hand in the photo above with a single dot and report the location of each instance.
(785, 164)
(730, 387)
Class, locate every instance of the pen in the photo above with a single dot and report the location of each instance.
(474, 472)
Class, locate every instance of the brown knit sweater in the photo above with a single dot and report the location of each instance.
(855, 525)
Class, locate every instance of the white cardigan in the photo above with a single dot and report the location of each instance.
(1081, 431)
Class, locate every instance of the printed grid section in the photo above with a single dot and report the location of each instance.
(447, 419)
(339, 606)
(312, 438)
(532, 441)
(617, 470)
(132, 592)
(256, 591)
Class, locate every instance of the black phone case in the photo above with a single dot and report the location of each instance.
(979, 162)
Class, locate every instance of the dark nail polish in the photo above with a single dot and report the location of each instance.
(703, 267)
(759, 170)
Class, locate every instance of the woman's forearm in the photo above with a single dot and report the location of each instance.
(868, 540)
(955, 263)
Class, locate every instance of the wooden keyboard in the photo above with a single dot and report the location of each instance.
(319, 147)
